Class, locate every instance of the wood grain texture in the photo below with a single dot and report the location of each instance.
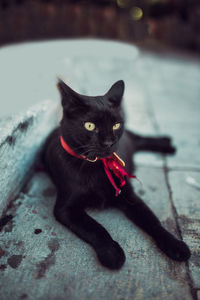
(186, 200)
(55, 264)
(21, 138)
(49, 261)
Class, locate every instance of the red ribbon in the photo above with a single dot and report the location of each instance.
(110, 164)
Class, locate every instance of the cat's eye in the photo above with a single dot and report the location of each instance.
(89, 126)
(116, 126)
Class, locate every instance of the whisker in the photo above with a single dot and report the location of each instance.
(85, 149)
(86, 152)
(91, 147)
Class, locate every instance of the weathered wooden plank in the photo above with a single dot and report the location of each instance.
(54, 264)
(21, 138)
(173, 88)
(172, 96)
(186, 140)
(185, 194)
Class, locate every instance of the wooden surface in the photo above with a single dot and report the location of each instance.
(186, 201)
(21, 137)
(57, 265)
(162, 97)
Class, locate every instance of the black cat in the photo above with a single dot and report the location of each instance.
(80, 157)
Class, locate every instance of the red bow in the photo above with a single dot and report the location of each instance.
(111, 163)
(114, 164)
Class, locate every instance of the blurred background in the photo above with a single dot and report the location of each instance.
(91, 43)
(147, 23)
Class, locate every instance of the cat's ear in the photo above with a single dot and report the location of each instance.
(116, 92)
(68, 96)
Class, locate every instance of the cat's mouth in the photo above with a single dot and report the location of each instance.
(100, 153)
(93, 156)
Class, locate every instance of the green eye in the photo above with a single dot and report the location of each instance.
(116, 126)
(89, 126)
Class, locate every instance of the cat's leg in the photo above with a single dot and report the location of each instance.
(154, 144)
(109, 252)
(139, 213)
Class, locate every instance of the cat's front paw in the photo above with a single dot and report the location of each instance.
(174, 248)
(111, 256)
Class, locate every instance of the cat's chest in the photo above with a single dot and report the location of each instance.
(91, 178)
(89, 184)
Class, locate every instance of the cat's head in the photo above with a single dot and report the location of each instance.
(92, 126)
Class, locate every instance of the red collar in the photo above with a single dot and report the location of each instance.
(70, 151)
(114, 164)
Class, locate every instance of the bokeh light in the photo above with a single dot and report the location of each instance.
(154, 1)
(136, 13)
(123, 3)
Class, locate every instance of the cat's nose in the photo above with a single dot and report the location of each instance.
(107, 144)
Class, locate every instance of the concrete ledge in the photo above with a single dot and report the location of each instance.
(21, 138)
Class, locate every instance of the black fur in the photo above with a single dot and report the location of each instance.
(82, 184)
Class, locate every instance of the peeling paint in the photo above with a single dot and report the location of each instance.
(23, 126)
(2, 252)
(45, 264)
(37, 231)
(3, 267)
(14, 261)
(53, 245)
(18, 149)
(11, 140)
(4, 220)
